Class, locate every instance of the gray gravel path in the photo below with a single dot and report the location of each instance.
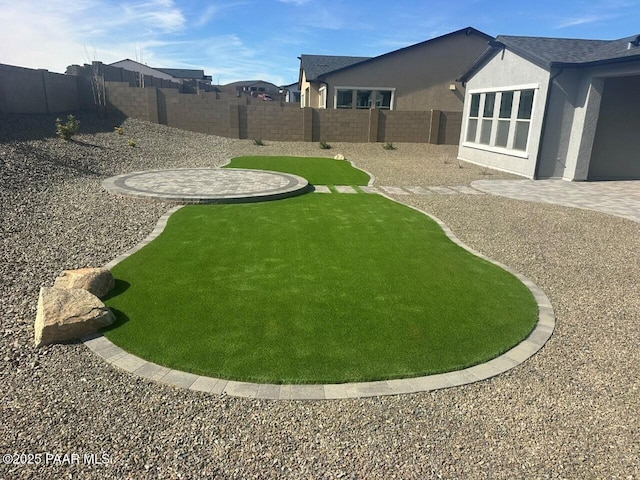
(569, 412)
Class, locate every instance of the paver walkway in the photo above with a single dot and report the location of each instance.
(614, 198)
(448, 190)
(621, 198)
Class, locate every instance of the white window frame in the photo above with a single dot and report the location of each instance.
(322, 97)
(354, 93)
(495, 119)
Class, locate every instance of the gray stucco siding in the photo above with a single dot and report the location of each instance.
(616, 148)
(576, 134)
(507, 71)
(420, 75)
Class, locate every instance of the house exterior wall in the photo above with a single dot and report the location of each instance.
(507, 71)
(616, 145)
(420, 75)
(559, 123)
(310, 97)
(576, 134)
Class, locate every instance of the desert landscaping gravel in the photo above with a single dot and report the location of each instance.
(571, 411)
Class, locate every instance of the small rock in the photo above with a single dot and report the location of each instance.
(98, 281)
(68, 313)
(339, 157)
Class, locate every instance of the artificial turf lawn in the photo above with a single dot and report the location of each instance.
(314, 289)
(317, 171)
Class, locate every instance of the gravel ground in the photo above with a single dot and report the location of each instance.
(568, 412)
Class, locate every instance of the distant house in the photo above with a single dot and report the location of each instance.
(555, 108)
(417, 77)
(185, 74)
(176, 75)
(291, 93)
(313, 68)
(253, 88)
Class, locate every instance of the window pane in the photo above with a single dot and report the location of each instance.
(383, 99)
(485, 132)
(489, 102)
(526, 103)
(363, 99)
(505, 104)
(345, 98)
(522, 132)
(475, 105)
(472, 128)
(502, 135)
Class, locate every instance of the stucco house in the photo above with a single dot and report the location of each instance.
(415, 78)
(176, 75)
(291, 93)
(554, 108)
(252, 88)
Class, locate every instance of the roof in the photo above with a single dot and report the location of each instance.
(182, 72)
(561, 52)
(315, 66)
(248, 83)
(466, 31)
(174, 72)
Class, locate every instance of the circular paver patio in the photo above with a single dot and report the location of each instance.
(208, 185)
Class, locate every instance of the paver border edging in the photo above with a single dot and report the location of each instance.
(297, 185)
(543, 330)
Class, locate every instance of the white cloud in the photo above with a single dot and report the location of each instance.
(572, 22)
(58, 33)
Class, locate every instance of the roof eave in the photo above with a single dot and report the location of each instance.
(478, 63)
(597, 63)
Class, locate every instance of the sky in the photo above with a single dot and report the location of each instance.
(262, 39)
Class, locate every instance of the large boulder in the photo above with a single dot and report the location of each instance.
(98, 281)
(68, 313)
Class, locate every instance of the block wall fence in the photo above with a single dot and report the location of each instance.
(28, 91)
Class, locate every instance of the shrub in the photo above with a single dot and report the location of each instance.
(118, 130)
(388, 146)
(324, 145)
(258, 141)
(67, 129)
(131, 142)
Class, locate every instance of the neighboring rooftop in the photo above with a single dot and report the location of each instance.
(248, 83)
(549, 52)
(184, 73)
(315, 66)
(561, 52)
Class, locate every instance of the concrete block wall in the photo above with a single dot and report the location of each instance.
(199, 113)
(272, 121)
(404, 126)
(62, 92)
(340, 125)
(24, 90)
(450, 127)
(133, 102)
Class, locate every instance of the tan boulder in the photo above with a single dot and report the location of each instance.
(98, 281)
(68, 313)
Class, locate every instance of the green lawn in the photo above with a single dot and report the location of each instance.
(317, 171)
(314, 289)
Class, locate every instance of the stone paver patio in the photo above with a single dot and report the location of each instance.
(620, 198)
(208, 185)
